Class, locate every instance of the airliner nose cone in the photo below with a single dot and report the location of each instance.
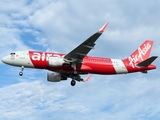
(4, 59)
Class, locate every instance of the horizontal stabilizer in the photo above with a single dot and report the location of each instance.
(147, 62)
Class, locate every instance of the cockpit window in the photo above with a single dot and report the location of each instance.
(12, 53)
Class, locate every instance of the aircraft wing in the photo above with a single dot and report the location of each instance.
(77, 54)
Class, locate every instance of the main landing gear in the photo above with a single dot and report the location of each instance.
(21, 72)
(74, 75)
(73, 82)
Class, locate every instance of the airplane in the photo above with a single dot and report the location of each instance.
(76, 62)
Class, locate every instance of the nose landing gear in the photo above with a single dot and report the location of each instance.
(21, 72)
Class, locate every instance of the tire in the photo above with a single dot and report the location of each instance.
(20, 73)
(73, 83)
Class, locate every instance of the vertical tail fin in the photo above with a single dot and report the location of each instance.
(141, 54)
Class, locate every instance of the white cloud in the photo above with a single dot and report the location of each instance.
(115, 99)
(10, 41)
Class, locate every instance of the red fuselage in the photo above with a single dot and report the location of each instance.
(95, 65)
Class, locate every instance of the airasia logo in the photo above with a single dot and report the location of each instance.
(139, 56)
(44, 56)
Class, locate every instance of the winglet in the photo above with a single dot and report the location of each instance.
(103, 28)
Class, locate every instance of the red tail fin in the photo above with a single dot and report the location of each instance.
(141, 54)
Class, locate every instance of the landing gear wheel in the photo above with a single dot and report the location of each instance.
(73, 82)
(20, 73)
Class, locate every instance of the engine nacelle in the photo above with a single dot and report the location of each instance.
(56, 61)
(55, 77)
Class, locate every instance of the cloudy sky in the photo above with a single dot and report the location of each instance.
(59, 26)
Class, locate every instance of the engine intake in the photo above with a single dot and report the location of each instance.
(55, 77)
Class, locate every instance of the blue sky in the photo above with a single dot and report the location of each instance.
(59, 26)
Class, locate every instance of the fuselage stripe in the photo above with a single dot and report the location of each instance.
(119, 66)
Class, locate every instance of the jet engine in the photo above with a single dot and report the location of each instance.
(57, 61)
(55, 77)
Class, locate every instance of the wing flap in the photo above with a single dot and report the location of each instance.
(88, 46)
